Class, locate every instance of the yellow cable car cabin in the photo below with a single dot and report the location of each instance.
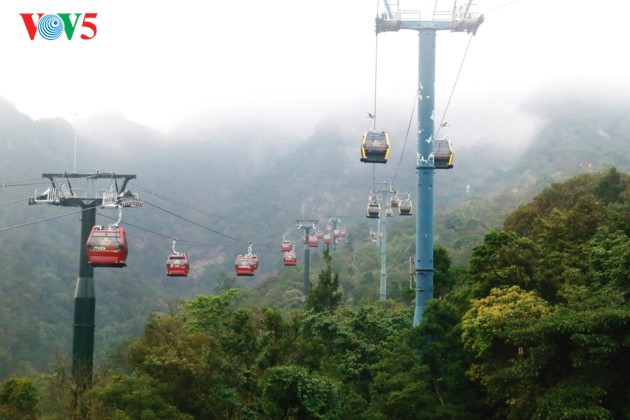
(405, 208)
(394, 200)
(375, 147)
(442, 154)
(373, 210)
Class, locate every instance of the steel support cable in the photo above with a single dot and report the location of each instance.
(500, 7)
(156, 233)
(402, 152)
(375, 68)
(197, 224)
(15, 201)
(46, 219)
(461, 65)
(16, 184)
(174, 201)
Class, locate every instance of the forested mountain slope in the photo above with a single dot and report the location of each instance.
(251, 185)
(536, 326)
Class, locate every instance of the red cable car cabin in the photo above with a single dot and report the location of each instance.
(244, 265)
(285, 245)
(290, 258)
(177, 265)
(327, 238)
(107, 247)
(313, 242)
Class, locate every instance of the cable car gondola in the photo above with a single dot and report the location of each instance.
(290, 258)
(394, 200)
(319, 234)
(442, 154)
(107, 247)
(313, 242)
(375, 147)
(286, 245)
(245, 265)
(177, 263)
(373, 210)
(405, 208)
(327, 238)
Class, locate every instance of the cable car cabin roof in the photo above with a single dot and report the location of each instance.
(107, 247)
(442, 154)
(375, 147)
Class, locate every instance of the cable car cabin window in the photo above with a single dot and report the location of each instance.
(107, 247)
(442, 154)
(375, 147)
(177, 260)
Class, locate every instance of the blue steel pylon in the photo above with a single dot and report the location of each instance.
(460, 20)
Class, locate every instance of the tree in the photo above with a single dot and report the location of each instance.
(498, 329)
(326, 296)
(292, 392)
(18, 399)
(401, 388)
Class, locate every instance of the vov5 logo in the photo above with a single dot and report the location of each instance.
(51, 26)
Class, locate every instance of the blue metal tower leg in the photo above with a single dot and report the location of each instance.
(425, 170)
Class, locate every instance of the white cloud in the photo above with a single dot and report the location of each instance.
(161, 63)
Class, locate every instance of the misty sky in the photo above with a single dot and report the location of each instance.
(164, 64)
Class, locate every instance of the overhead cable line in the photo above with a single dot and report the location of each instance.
(14, 201)
(22, 184)
(375, 68)
(461, 65)
(46, 219)
(196, 224)
(500, 7)
(157, 233)
(402, 152)
(174, 201)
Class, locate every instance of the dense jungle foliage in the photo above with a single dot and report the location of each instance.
(537, 325)
(529, 320)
